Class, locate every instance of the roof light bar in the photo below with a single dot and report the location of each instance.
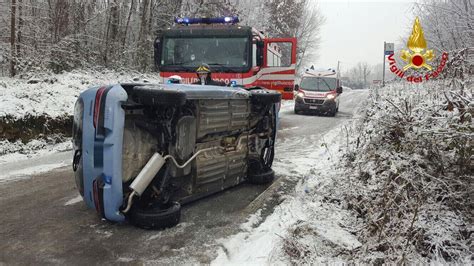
(219, 20)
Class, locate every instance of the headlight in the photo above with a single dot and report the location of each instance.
(300, 94)
(330, 96)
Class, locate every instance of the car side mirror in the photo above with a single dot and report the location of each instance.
(157, 52)
(339, 90)
(297, 87)
(259, 55)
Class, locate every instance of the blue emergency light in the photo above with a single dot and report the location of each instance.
(220, 20)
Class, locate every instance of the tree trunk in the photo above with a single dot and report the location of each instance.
(12, 39)
(128, 23)
(20, 26)
(141, 58)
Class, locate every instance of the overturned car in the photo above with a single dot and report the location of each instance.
(141, 150)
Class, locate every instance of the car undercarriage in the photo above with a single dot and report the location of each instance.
(184, 142)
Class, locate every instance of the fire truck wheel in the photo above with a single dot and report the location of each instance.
(153, 96)
(156, 217)
(265, 96)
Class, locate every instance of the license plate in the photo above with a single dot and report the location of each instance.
(313, 107)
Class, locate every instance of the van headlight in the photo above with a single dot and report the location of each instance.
(330, 96)
(300, 95)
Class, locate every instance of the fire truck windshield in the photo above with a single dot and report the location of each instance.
(222, 53)
(318, 84)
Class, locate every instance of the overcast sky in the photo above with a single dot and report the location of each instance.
(355, 30)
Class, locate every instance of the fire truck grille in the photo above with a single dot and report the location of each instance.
(313, 101)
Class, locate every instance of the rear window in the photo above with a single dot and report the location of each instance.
(77, 124)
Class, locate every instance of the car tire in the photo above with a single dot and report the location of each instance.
(156, 217)
(261, 178)
(152, 96)
(263, 96)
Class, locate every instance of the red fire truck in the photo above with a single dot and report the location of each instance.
(238, 55)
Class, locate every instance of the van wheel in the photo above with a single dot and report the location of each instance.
(156, 216)
(154, 95)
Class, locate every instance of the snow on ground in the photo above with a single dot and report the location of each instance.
(16, 151)
(20, 166)
(55, 94)
(29, 171)
(74, 200)
(265, 244)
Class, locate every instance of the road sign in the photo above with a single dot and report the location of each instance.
(389, 48)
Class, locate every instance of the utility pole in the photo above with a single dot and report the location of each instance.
(338, 69)
(383, 65)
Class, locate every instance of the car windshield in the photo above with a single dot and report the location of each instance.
(318, 84)
(192, 52)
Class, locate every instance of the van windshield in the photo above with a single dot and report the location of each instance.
(318, 84)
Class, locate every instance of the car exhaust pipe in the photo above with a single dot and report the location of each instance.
(144, 178)
(150, 170)
(147, 174)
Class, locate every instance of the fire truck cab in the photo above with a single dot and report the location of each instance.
(238, 55)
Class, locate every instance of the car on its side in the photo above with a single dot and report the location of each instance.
(142, 150)
(318, 94)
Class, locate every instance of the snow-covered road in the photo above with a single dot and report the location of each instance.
(45, 222)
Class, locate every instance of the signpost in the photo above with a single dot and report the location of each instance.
(388, 49)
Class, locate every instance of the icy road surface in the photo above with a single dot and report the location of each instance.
(45, 221)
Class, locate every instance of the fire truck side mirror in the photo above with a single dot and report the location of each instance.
(260, 49)
(157, 52)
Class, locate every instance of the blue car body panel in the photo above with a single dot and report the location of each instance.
(91, 169)
(114, 119)
(102, 155)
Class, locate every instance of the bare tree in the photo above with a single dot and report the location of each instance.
(308, 34)
(449, 25)
(61, 35)
(364, 71)
(12, 38)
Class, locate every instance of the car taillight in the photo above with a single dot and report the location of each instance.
(98, 194)
(98, 99)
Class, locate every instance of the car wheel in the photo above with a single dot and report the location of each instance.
(151, 95)
(262, 96)
(156, 216)
(262, 178)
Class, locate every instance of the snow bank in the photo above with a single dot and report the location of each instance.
(36, 111)
(410, 168)
(55, 95)
(392, 187)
